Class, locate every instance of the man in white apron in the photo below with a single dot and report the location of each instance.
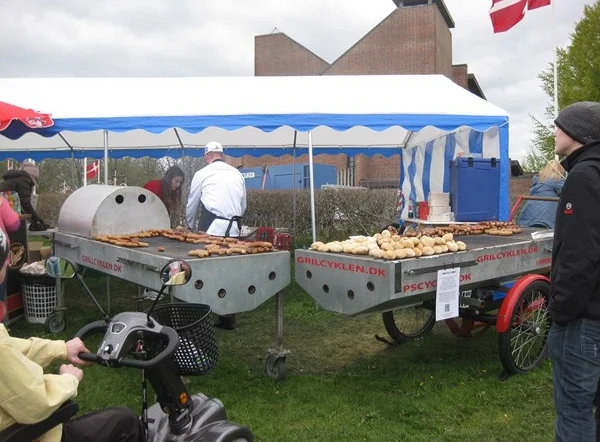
(222, 191)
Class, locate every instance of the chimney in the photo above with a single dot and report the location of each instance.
(402, 3)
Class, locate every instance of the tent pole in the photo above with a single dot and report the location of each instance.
(74, 185)
(106, 157)
(84, 171)
(180, 142)
(312, 187)
(294, 188)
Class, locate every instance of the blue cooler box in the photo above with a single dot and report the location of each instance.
(475, 189)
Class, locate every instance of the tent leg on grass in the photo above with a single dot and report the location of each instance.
(312, 187)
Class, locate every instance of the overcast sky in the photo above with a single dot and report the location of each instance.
(65, 38)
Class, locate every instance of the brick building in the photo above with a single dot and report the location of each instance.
(414, 39)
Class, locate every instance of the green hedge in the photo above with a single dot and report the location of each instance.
(339, 213)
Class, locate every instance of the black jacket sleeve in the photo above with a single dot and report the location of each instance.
(576, 270)
(23, 187)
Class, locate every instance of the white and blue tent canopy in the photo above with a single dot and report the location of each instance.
(248, 115)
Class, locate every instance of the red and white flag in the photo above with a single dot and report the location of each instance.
(507, 13)
(92, 170)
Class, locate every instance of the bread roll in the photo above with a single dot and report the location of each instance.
(410, 253)
(407, 244)
(316, 245)
(360, 250)
(439, 241)
(389, 255)
(461, 245)
(347, 248)
(336, 247)
(400, 254)
(427, 251)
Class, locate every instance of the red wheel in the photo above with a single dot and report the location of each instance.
(523, 325)
(466, 328)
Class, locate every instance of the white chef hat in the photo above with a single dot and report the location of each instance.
(213, 146)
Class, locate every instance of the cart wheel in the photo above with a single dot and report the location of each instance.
(407, 324)
(276, 367)
(56, 322)
(523, 346)
(466, 328)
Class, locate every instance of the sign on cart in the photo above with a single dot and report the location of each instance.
(447, 294)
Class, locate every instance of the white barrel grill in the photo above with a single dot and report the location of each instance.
(100, 209)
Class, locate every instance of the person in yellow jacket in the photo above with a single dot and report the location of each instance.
(28, 395)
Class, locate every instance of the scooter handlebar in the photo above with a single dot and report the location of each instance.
(173, 343)
(92, 328)
(88, 357)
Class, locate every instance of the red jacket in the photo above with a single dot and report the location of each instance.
(154, 187)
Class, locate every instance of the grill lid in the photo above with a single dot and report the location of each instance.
(100, 209)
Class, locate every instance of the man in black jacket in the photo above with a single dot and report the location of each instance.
(22, 182)
(574, 338)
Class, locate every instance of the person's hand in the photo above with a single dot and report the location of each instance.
(71, 369)
(74, 347)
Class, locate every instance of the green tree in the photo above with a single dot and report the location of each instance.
(578, 69)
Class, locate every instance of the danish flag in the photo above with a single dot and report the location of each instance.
(92, 170)
(507, 13)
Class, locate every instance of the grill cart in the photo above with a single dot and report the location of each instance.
(503, 282)
(228, 283)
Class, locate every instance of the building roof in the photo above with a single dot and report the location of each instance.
(473, 86)
(439, 3)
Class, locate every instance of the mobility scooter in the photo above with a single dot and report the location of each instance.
(166, 342)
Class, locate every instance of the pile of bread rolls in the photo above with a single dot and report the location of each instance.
(390, 246)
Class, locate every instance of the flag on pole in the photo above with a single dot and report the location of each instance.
(507, 13)
(92, 170)
(534, 4)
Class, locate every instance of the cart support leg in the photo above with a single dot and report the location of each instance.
(276, 358)
(279, 337)
(108, 295)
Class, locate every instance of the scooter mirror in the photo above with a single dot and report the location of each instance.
(176, 272)
(59, 268)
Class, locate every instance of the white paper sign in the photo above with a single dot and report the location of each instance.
(447, 293)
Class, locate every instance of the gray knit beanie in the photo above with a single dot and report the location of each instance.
(581, 121)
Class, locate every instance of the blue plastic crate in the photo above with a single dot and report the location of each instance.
(475, 189)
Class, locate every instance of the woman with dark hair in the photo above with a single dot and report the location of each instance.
(169, 190)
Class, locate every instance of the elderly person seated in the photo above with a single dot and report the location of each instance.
(29, 395)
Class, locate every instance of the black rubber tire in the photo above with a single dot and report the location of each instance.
(425, 320)
(56, 322)
(534, 328)
(275, 366)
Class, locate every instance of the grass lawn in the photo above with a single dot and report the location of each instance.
(342, 384)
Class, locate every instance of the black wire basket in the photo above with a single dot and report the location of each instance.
(198, 352)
